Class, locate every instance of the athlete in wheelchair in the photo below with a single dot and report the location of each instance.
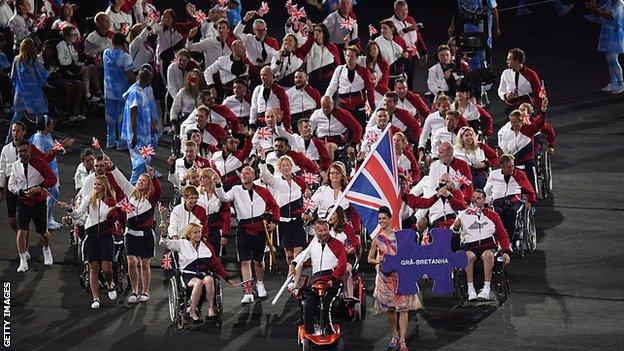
(196, 277)
(483, 237)
(328, 258)
(512, 194)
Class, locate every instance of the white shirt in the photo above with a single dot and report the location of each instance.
(324, 197)
(211, 46)
(389, 49)
(240, 108)
(253, 47)
(141, 53)
(117, 19)
(299, 100)
(432, 123)
(435, 79)
(95, 44)
(508, 84)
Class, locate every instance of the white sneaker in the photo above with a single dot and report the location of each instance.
(247, 298)
(484, 295)
(144, 297)
(95, 304)
(93, 98)
(472, 295)
(607, 88)
(23, 267)
(132, 298)
(618, 89)
(54, 225)
(27, 254)
(261, 289)
(112, 294)
(47, 257)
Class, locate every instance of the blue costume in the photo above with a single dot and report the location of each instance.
(45, 143)
(28, 78)
(116, 63)
(137, 96)
(611, 40)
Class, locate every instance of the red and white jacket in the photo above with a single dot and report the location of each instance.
(284, 70)
(476, 114)
(480, 224)
(100, 217)
(414, 104)
(229, 165)
(288, 194)
(212, 47)
(483, 153)
(251, 206)
(411, 37)
(223, 67)
(277, 100)
(520, 144)
(404, 121)
(455, 169)
(330, 256)
(314, 148)
(499, 186)
(142, 216)
(307, 99)
(380, 69)
(8, 156)
(253, 46)
(39, 174)
(181, 167)
(338, 124)
(317, 57)
(526, 82)
(354, 87)
(224, 117)
(240, 108)
(218, 213)
(407, 163)
(192, 260)
(392, 51)
(181, 216)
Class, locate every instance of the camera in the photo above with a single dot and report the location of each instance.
(450, 67)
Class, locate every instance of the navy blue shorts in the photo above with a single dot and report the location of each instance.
(292, 234)
(98, 248)
(250, 247)
(140, 246)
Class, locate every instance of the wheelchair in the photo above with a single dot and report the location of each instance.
(543, 169)
(499, 284)
(179, 297)
(352, 309)
(319, 337)
(524, 238)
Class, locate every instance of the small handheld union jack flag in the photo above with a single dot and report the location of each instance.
(58, 146)
(372, 137)
(461, 179)
(125, 28)
(147, 151)
(309, 205)
(200, 16)
(542, 92)
(298, 14)
(290, 7)
(265, 133)
(371, 30)
(154, 16)
(425, 239)
(367, 108)
(125, 206)
(166, 261)
(62, 25)
(310, 178)
(264, 9)
(348, 23)
(95, 143)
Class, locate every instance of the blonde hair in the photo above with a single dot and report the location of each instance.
(140, 195)
(285, 158)
(207, 172)
(108, 191)
(27, 51)
(460, 143)
(190, 228)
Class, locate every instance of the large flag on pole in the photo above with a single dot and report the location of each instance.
(376, 184)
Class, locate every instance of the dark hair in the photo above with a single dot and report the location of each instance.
(453, 113)
(517, 54)
(43, 122)
(99, 157)
(21, 124)
(284, 139)
(325, 32)
(400, 80)
(321, 221)
(302, 121)
(385, 210)
(189, 133)
(480, 191)
(119, 39)
(340, 223)
(86, 152)
(22, 141)
(443, 47)
(392, 95)
(242, 81)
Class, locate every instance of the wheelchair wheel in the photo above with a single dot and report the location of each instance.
(340, 345)
(530, 236)
(459, 281)
(360, 307)
(305, 345)
(547, 174)
(172, 295)
(502, 284)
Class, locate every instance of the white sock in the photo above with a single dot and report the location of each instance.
(486, 286)
(46, 248)
(22, 257)
(471, 287)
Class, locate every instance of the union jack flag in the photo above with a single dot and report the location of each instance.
(200, 16)
(264, 9)
(372, 137)
(154, 16)
(310, 178)
(95, 143)
(461, 179)
(265, 133)
(376, 184)
(147, 151)
(348, 23)
(371, 30)
(367, 108)
(309, 205)
(166, 261)
(58, 146)
(62, 25)
(125, 28)
(125, 205)
(426, 239)
(290, 7)
(298, 14)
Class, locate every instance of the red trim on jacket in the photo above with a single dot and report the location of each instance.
(500, 234)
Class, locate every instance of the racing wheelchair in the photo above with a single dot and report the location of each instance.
(179, 296)
(320, 337)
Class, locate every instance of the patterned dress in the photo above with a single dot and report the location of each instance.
(386, 285)
(611, 39)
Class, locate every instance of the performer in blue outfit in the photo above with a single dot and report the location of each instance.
(118, 75)
(28, 77)
(137, 124)
(611, 39)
